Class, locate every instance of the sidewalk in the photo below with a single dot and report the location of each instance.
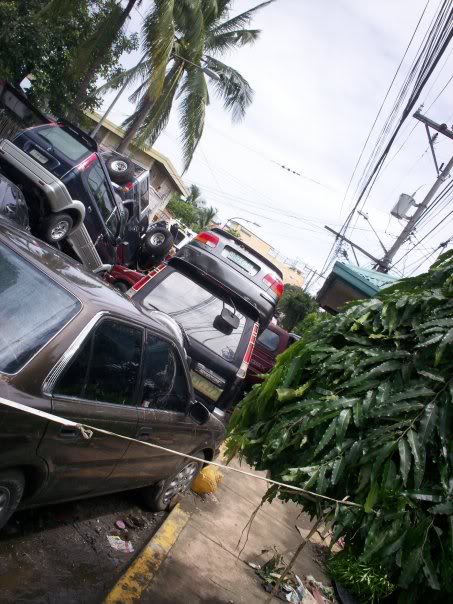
(203, 564)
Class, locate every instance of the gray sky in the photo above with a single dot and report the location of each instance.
(320, 71)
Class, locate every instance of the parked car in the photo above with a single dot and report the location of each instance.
(271, 342)
(87, 354)
(13, 206)
(221, 326)
(240, 267)
(70, 155)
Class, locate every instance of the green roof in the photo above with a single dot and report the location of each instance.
(365, 280)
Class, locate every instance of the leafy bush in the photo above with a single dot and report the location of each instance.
(294, 305)
(361, 407)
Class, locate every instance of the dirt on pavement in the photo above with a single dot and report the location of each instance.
(61, 553)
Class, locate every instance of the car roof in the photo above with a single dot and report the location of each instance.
(94, 294)
(247, 248)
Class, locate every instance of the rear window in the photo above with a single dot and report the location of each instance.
(63, 142)
(32, 310)
(195, 308)
(269, 340)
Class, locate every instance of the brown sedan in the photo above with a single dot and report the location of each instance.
(71, 346)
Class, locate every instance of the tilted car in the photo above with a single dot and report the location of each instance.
(13, 206)
(87, 354)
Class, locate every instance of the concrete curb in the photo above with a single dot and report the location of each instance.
(139, 576)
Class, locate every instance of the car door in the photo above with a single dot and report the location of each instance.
(163, 419)
(98, 387)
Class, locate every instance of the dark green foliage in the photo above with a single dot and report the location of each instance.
(294, 305)
(367, 582)
(361, 407)
(47, 44)
(192, 211)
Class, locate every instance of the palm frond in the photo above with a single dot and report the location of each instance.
(159, 33)
(56, 8)
(236, 92)
(239, 21)
(230, 40)
(211, 11)
(193, 109)
(159, 112)
(140, 71)
(189, 22)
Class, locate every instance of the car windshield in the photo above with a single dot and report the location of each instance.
(269, 339)
(63, 142)
(27, 326)
(195, 309)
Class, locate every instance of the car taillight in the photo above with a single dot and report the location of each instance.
(207, 238)
(127, 187)
(86, 162)
(248, 353)
(274, 283)
(145, 279)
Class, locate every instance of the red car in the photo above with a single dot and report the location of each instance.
(273, 341)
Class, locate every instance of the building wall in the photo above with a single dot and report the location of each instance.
(291, 276)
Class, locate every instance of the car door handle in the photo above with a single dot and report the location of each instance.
(144, 434)
(69, 432)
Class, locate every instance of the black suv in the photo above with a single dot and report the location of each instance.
(116, 227)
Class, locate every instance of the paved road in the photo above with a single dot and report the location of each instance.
(60, 553)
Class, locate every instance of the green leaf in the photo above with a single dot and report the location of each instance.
(419, 460)
(327, 437)
(447, 339)
(321, 483)
(338, 469)
(428, 423)
(354, 453)
(429, 569)
(372, 497)
(405, 459)
(342, 425)
(358, 413)
(432, 376)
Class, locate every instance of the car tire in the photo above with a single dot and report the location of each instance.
(164, 495)
(12, 484)
(120, 169)
(158, 241)
(56, 227)
(121, 286)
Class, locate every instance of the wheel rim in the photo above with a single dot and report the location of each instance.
(59, 230)
(119, 165)
(157, 239)
(5, 497)
(181, 482)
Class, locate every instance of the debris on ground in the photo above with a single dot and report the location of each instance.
(207, 480)
(120, 524)
(292, 589)
(120, 545)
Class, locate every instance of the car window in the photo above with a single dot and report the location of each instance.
(33, 308)
(12, 203)
(104, 200)
(195, 308)
(164, 382)
(106, 367)
(269, 339)
(63, 142)
(144, 194)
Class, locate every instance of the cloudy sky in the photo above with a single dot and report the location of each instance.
(320, 72)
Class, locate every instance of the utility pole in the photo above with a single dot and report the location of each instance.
(380, 263)
(384, 264)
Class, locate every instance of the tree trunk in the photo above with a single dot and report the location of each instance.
(134, 127)
(100, 56)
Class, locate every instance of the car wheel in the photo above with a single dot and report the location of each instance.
(120, 169)
(165, 494)
(56, 227)
(11, 490)
(121, 286)
(158, 241)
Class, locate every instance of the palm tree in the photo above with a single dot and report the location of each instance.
(205, 217)
(183, 39)
(194, 197)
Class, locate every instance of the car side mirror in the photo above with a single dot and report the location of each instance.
(199, 413)
(226, 322)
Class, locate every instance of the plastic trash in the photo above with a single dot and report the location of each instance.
(120, 545)
(207, 481)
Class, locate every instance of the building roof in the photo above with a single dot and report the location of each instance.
(162, 159)
(367, 281)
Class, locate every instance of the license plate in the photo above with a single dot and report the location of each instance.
(206, 387)
(39, 156)
(241, 261)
